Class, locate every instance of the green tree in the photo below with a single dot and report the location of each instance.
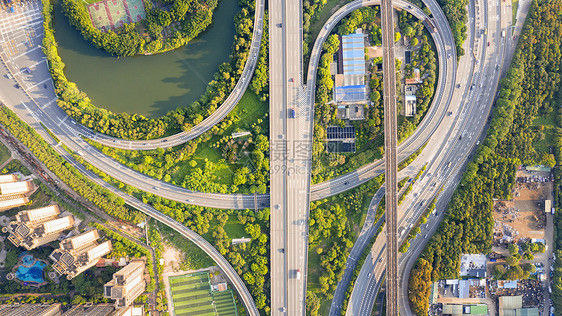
(513, 249)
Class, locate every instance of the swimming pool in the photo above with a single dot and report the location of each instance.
(33, 273)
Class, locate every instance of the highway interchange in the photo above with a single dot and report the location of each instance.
(470, 104)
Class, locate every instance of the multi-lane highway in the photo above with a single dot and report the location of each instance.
(290, 151)
(278, 115)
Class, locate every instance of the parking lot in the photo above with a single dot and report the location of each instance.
(21, 35)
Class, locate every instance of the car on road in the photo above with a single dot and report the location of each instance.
(326, 27)
(189, 200)
(288, 172)
(277, 206)
(291, 113)
(458, 85)
(345, 183)
(17, 86)
(283, 309)
(282, 250)
(291, 80)
(156, 188)
(9, 76)
(450, 113)
(488, 44)
(449, 56)
(280, 25)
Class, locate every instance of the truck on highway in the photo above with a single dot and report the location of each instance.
(298, 274)
(503, 33)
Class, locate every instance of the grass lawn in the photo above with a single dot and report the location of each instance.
(514, 6)
(249, 110)
(234, 229)
(313, 275)
(543, 146)
(194, 258)
(4, 153)
(250, 114)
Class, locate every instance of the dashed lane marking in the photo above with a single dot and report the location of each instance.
(48, 103)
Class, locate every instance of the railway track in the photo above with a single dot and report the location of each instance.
(390, 146)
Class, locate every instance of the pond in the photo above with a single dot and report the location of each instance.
(147, 85)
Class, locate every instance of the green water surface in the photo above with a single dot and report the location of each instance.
(147, 85)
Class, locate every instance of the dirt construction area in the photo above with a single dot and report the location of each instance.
(524, 216)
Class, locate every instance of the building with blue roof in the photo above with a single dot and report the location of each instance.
(353, 50)
(350, 87)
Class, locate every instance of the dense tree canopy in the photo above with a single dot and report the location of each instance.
(531, 89)
(190, 18)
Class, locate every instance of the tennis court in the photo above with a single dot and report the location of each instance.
(117, 13)
(135, 9)
(99, 16)
(111, 14)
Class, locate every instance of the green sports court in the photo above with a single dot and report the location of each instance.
(112, 14)
(192, 295)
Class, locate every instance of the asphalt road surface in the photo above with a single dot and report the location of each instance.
(290, 152)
